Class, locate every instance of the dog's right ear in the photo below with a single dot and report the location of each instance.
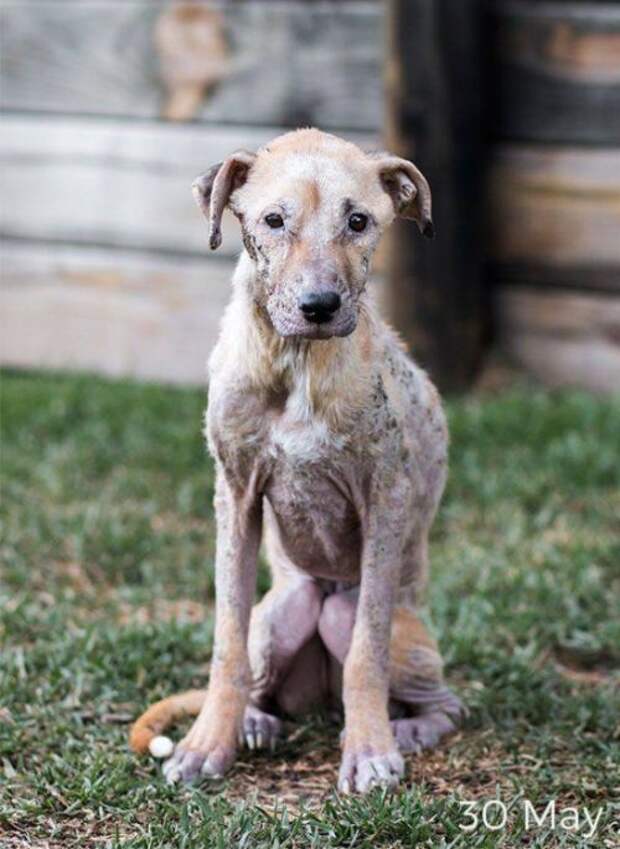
(409, 190)
(212, 190)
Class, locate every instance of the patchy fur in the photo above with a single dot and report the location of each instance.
(331, 444)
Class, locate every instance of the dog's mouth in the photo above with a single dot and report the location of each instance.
(338, 326)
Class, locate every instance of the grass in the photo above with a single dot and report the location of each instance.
(105, 597)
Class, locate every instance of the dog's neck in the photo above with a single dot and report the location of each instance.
(329, 378)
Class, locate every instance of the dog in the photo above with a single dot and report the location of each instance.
(330, 445)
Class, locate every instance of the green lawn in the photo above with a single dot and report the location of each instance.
(105, 597)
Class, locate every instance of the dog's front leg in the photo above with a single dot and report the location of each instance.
(210, 746)
(370, 755)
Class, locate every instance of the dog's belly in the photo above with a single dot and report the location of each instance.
(317, 524)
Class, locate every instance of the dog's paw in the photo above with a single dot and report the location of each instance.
(361, 770)
(207, 750)
(188, 765)
(422, 732)
(260, 730)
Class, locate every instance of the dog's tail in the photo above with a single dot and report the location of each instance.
(146, 732)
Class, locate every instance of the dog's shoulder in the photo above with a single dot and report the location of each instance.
(415, 397)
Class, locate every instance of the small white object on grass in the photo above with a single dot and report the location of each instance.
(161, 747)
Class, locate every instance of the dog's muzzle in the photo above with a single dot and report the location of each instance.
(319, 307)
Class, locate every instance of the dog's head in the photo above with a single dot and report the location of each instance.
(312, 208)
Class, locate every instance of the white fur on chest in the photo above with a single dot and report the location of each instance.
(300, 432)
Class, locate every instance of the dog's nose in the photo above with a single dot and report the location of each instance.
(319, 307)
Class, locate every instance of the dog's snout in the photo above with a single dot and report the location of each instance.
(319, 307)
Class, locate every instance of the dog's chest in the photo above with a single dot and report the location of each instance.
(317, 522)
(310, 489)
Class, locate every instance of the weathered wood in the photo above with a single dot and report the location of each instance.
(556, 71)
(288, 63)
(604, 279)
(434, 79)
(120, 314)
(193, 55)
(563, 338)
(114, 183)
(556, 208)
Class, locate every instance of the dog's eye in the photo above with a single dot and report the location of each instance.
(358, 222)
(274, 220)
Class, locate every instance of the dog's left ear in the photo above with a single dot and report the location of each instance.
(212, 190)
(409, 190)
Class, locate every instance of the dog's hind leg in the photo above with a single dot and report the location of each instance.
(306, 684)
(286, 665)
(426, 707)
(282, 626)
(417, 685)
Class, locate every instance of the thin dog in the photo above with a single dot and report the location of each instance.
(330, 445)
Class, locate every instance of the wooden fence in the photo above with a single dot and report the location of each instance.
(554, 188)
(111, 109)
(105, 262)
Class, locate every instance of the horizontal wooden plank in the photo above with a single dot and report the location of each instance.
(604, 279)
(274, 63)
(116, 313)
(556, 71)
(82, 180)
(563, 338)
(555, 206)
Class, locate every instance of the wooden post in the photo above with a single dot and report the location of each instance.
(434, 80)
(554, 188)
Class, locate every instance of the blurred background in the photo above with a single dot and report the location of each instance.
(510, 107)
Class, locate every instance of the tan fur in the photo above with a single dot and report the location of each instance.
(412, 649)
